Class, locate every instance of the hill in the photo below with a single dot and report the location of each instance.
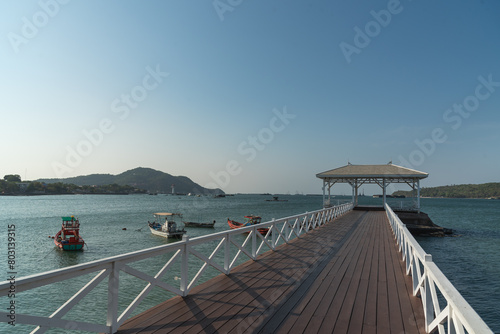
(485, 190)
(149, 179)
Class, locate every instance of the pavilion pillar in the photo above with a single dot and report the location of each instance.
(356, 193)
(324, 193)
(353, 185)
(329, 194)
(383, 190)
(418, 195)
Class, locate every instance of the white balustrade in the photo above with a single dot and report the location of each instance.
(457, 316)
(280, 231)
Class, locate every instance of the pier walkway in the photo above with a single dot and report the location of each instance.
(345, 277)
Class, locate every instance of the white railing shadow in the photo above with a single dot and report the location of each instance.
(253, 243)
(457, 316)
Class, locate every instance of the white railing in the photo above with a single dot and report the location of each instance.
(410, 205)
(457, 316)
(280, 231)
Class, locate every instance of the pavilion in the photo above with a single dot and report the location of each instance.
(383, 175)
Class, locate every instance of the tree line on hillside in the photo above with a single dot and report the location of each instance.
(485, 190)
(12, 185)
(154, 181)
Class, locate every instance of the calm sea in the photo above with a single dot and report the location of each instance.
(470, 260)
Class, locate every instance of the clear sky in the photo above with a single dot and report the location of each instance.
(250, 96)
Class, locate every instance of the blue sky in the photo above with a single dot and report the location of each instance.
(250, 96)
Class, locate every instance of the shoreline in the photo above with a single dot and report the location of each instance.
(28, 195)
(487, 198)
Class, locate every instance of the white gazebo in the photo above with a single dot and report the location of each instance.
(383, 175)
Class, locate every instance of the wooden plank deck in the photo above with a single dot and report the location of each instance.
(345, 277)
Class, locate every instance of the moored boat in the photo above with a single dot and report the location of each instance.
(196, 224)
(68, 238)
(276, 199)
(249, 221)
(169, 228)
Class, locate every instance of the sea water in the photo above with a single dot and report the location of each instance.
(117, 224)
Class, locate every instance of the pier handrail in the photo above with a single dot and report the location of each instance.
(280, 231)
(427, 277)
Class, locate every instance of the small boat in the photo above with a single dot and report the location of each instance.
(275, 199)
(249, 221)
(196, 224)
(68, 238)
(169, 228)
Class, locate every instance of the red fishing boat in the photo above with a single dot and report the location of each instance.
(249, 221)
(68, 238)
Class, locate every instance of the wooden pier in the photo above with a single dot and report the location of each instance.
(345, 277)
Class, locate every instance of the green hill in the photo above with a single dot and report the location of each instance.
(152, 180)
(485, 190)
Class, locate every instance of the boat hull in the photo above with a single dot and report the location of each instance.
(66, 245)
(70, 246)
(234, 225)
(175, 235)
(194, 224)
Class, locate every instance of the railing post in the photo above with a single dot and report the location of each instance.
(227, 254)
(305, 222)
(113, 286)
(184, 265)
(254, 242)
(427, 299)
(274, 235)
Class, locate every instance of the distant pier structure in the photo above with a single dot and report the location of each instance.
(358, 175)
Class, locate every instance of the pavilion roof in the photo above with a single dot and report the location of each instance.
(388, 171)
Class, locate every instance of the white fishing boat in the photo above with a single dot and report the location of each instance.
(165, 225)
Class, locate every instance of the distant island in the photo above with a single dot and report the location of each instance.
(485, 190)
(12, 185)
(138, 180)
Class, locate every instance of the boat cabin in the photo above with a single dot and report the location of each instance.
(252, 220)
(167, 217)
(70, 223)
